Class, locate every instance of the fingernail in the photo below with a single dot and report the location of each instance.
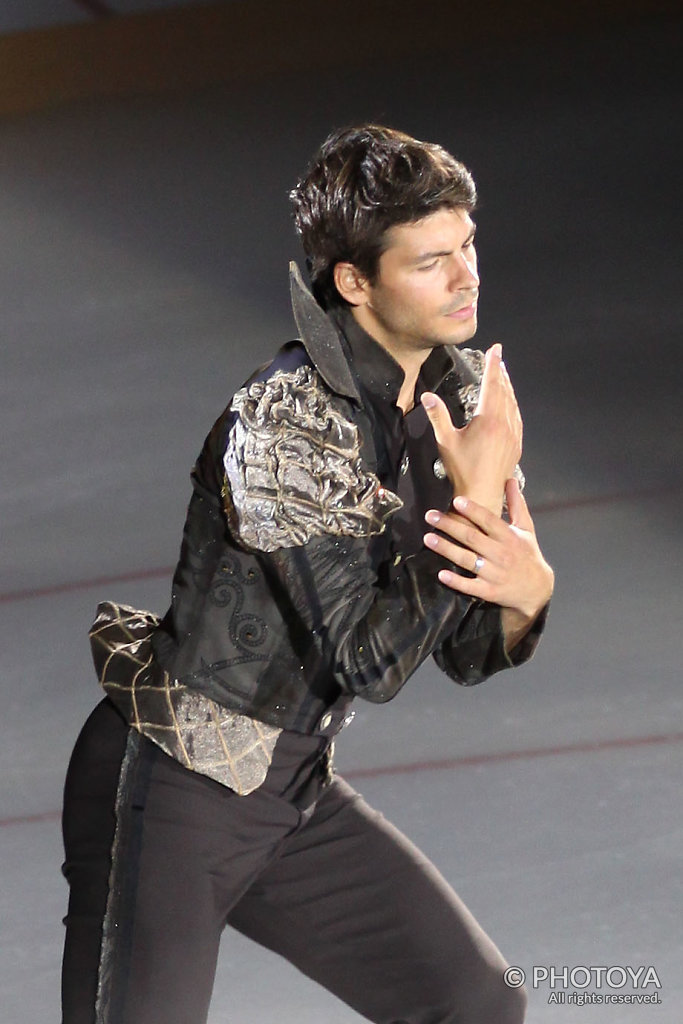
(433, 517)
(431, 540)
(460, 503)
(428, 400)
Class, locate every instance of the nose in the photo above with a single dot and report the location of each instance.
(464, 273)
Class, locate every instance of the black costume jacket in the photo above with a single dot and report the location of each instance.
(303, 580)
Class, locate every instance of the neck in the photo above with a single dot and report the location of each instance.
(409, 359)
(406, 396)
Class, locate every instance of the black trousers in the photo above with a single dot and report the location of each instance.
(160, 859)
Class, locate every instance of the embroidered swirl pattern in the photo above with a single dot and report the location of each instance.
(247, 631)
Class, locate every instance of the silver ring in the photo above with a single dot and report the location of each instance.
(478, 564)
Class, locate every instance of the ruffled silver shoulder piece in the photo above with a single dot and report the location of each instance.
(293, 468)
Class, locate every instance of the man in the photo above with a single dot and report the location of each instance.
(200, 791)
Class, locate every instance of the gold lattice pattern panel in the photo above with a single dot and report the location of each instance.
(202, 735)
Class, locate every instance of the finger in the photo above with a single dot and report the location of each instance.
(517, 506)
(482, 517)
(439, 417)
(466, 558)
(472, 586)
(492, 378)
(464, 533)
(496, 387)
(508, 396)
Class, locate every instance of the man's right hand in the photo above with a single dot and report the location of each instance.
(482, 455)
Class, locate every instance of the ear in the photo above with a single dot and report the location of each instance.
(351, 284)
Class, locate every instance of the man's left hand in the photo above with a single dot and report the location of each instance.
(509, 568)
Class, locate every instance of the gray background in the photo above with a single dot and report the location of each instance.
(143, 276)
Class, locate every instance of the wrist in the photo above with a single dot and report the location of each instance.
(516, 625)
(529, 611)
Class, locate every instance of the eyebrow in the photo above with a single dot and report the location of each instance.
(424, 256)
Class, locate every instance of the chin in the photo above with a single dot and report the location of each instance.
(465, 332)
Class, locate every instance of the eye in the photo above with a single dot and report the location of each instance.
(428, 266)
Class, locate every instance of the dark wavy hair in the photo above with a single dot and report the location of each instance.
(362, 181)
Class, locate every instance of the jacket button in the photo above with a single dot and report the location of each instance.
(439, 469)
(325, 720)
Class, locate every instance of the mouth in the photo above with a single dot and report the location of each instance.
(464, 313)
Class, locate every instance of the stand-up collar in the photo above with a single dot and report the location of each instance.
(320, 338)
(377, 370)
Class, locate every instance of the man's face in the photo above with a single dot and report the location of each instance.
(427, 286)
